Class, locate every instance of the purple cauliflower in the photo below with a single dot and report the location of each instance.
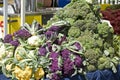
(60, 40)
(42, 51)
(55, 76)
(22, 33)
(78, 46)
(68, 67)
(54, 66)
(49, 46)
(15, 43)
(8, 38)
(78, 61)
(65, 53)
(54, 55)
(54, 28)
(50, 35)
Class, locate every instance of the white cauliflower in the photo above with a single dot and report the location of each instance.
(34, 41)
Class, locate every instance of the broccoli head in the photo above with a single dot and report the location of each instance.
(74, 32)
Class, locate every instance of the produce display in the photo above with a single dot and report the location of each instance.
(32, 52)
(74, 41)
(100, 44)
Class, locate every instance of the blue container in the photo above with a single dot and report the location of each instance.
(62, 3)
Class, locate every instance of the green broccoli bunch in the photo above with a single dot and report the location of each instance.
(75, 12)
(90, 40)
(116, 44)
(74, 32)
(85, 24)
(101, 46)
(105, 62)
(105, 31)
(91, 58)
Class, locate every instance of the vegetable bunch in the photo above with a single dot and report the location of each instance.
(46, 53)
(85, 26)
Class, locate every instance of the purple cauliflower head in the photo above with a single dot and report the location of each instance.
(78, 46)
(42, 51)
(54, 28)
(68, 67)
(78, 61)
(54, 55)
(15, 43)
(54, 66)
(50, 35)
(65, 53)
(22, 33)
(55, 76)
(49, 46)
(8, 38)
(60, 40)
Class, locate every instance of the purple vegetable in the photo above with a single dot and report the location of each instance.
(68, 67)
(22, 33)
(54, 28)
(15, 43)
(55, 76)
(78, 61)
(49, 46)
(59, 41)
(77, 45)
(54, 66)
(54, 55)
(42, 51)
(65, 53)
(50, 35)
(8, 38)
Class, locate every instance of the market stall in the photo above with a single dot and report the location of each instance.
(75, 44)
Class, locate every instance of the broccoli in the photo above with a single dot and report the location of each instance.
(100, 44)
(91, 68)
(80, 23)
(104, 30)
(77, 10)
(91, 56)
(108, 63)
(90, 40)
(74, 32)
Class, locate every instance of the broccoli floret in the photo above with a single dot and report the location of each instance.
(99, 42)
(70, 20)
(77, 10)
(90, 25)
(74, 32)
(108, 63)
(91, 68)
(91, 17)
(80, 23)
(91, 56)
(104, 63)
(104, 30)
(87, 39)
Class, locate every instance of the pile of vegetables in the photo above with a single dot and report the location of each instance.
(37, 53)
(114, 17)
(74, 41)
(97, 37)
